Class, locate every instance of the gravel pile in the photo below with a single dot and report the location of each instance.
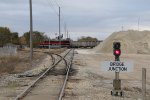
(132, 42)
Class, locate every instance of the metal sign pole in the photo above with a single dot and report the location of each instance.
(117, 73)
(143, 83)
(117, 82)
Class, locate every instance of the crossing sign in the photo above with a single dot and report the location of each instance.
(117, 66)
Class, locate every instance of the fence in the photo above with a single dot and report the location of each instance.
(8, 50)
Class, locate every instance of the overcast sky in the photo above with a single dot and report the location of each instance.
(97, 18)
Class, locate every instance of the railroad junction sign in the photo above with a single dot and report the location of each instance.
(117, 66)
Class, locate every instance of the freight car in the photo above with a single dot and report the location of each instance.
(55, 44)
(88, 44)
(68, 44)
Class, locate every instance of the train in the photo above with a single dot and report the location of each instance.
(68, 44)
(55, 44)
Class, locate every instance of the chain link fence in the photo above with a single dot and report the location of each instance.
(8, 50)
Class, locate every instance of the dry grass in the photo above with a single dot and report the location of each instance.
(20, 62)
(12, 84)
(7, 63)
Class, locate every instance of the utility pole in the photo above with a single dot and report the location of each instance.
(59, 29)
(138, 23)
(122, 27)
(31, 31)
(49, 44)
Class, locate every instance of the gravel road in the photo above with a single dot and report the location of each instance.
(90, 83)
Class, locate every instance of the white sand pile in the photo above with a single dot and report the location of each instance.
(136, 42)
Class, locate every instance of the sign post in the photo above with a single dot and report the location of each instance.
(143, 83)
(117, 81)
(117, 66)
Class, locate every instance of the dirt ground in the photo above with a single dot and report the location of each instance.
(49, 88)
(90, 83)
(13, 81)
(87, 81)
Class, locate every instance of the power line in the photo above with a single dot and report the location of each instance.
(56, 3)
(63, 17)
(60, 2)
(51, 2)
(64, 22)
(52, 7)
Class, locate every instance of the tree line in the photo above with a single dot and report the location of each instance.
(6, 36)
(86, 39)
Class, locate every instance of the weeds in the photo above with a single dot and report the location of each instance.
(7, 63)
(20, 62)
(12, 84)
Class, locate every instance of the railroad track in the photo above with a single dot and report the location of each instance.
(66, 78)
(68, 63)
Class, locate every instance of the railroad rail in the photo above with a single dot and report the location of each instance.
(66, 78)
(29, 88)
